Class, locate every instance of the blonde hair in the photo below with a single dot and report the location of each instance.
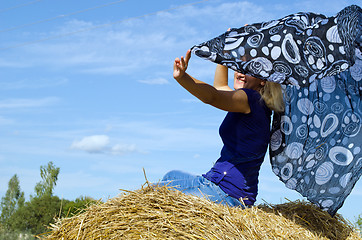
(273, 96)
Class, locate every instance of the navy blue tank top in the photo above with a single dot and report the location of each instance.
(245, 138)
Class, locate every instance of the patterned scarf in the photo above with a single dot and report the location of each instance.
(315, 145)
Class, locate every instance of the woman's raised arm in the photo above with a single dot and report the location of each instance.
(232, 101)
(221, 78)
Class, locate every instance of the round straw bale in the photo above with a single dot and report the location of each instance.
(160, 212)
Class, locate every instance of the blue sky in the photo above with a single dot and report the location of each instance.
(88, 85)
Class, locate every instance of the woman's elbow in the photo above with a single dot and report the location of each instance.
(210, 100)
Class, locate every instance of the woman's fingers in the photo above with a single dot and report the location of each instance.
(180, 64)
(188, 56)
(185, 60)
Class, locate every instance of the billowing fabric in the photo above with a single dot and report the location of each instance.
(296, 49)
(315, 145)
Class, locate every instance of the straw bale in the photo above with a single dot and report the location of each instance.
(160, 212)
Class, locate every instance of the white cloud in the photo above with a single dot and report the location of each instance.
(8, 63)
(74, 25)
(101, 144)
(155, 81)
(32, 83)
(92, 144)
(124, 47)
(120, 149)
(27, 103)
(127, 45)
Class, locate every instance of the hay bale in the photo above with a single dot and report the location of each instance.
(154, 212)
(312, 218)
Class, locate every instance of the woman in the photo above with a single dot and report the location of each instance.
(245, 133)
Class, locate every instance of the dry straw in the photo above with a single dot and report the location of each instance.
(155, 212)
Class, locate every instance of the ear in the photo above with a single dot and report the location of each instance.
(263, 82)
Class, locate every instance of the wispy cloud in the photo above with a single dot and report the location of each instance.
(155, 81)
(127, 46)
(32, 83)
(13, 63)
(4, 121)
(83, 180)
(28, 103)
(120, 149)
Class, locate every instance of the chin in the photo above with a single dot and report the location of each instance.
(238, 86)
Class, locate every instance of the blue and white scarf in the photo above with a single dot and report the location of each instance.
(316, 142)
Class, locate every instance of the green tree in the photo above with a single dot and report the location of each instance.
(40, 212)
(72, 208)
(13, 200)
(49, 175)
(37, 214)
(359, 223)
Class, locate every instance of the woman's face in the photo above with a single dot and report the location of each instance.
(247, 81)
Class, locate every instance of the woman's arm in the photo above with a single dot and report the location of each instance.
(232, 101)
(221, 78)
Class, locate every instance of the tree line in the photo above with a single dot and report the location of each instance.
(21, 219)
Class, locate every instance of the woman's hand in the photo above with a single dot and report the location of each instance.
(232, 101)
(180, 65)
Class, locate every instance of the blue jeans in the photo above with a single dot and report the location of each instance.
(198, 186)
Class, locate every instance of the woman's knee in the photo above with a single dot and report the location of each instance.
(176, 175)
